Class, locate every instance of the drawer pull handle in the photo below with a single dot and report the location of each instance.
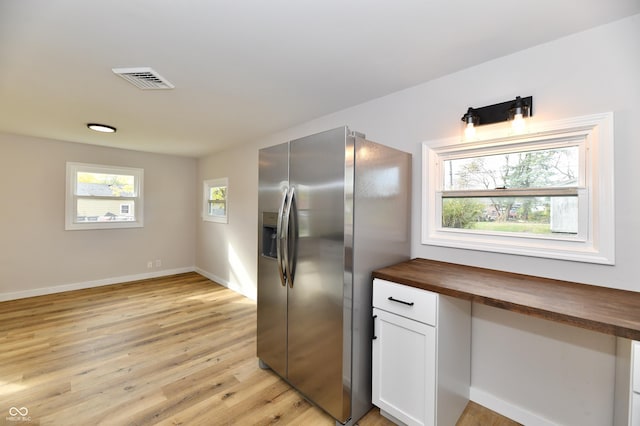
(400, 301)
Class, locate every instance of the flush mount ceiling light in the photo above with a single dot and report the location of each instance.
(103, 128)
(514, 110)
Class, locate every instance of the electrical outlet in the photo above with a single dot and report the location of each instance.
(149, 264)
(158, 263)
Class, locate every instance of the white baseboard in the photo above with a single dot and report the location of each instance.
(231, 286)
(90, 284)
(508, 409)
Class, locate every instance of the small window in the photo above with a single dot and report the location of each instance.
(215, 207)
(548, 193)
(103, 197)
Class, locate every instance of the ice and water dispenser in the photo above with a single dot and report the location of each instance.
(269, 233)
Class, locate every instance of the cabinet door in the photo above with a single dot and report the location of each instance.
(635, 409)
(635, 367)
(404, 368)
(635, 384)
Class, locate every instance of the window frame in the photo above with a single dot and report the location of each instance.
(71, 198)
(209, 184)
(594, 242)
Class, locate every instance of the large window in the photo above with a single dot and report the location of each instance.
(547, 193)
(215, 206)
(103, 197)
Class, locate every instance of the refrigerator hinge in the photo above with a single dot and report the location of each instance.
(354, 134)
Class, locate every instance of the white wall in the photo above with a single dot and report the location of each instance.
(227, 253)
(37, 255)
(565, 375)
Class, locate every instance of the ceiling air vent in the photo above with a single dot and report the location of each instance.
(144, 78)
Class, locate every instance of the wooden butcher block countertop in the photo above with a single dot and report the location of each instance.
(602, 309)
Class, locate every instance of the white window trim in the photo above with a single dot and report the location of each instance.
(214, 183)
(594, 243)
(71, 197)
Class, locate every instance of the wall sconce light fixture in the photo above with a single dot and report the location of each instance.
(514, 110)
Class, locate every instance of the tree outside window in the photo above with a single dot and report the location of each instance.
(526, 170)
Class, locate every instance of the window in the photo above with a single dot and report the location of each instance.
(548, 193)
(103, 197)
(215, 208)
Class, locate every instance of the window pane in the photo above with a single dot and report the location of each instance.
(217, 208)
(97, 210)
(557, 167)
(522, 215)
(105, 185)
(218, 193)
(217, 201)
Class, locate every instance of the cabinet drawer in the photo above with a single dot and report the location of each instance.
(635, 353)
(410, 302)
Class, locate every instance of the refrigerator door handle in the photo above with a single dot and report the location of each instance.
(281, 240)
(289, 242)
(292, 237)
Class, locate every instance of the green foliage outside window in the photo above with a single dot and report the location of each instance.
(460, 212)
(218, 200)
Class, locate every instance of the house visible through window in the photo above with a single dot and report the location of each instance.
(102, 197)
(215, 208)
(548, 193)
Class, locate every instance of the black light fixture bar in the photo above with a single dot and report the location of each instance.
(497, 113)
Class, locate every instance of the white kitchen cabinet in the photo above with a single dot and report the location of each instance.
(627, 397)
(421, 354)
(635, 390)
(635, 353)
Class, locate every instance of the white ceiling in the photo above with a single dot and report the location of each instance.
(246, 68)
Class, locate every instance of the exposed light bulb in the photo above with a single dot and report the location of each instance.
(518, 124)
(469, 119)
(469, 131)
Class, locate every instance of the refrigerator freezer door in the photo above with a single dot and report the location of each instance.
(316, 355)
(272, 295)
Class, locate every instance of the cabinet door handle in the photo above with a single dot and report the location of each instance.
(373, 336)
(400, 301)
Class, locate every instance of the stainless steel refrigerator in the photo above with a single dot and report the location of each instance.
(332, 207)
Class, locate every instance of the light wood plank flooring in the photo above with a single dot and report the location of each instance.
(176, 350)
